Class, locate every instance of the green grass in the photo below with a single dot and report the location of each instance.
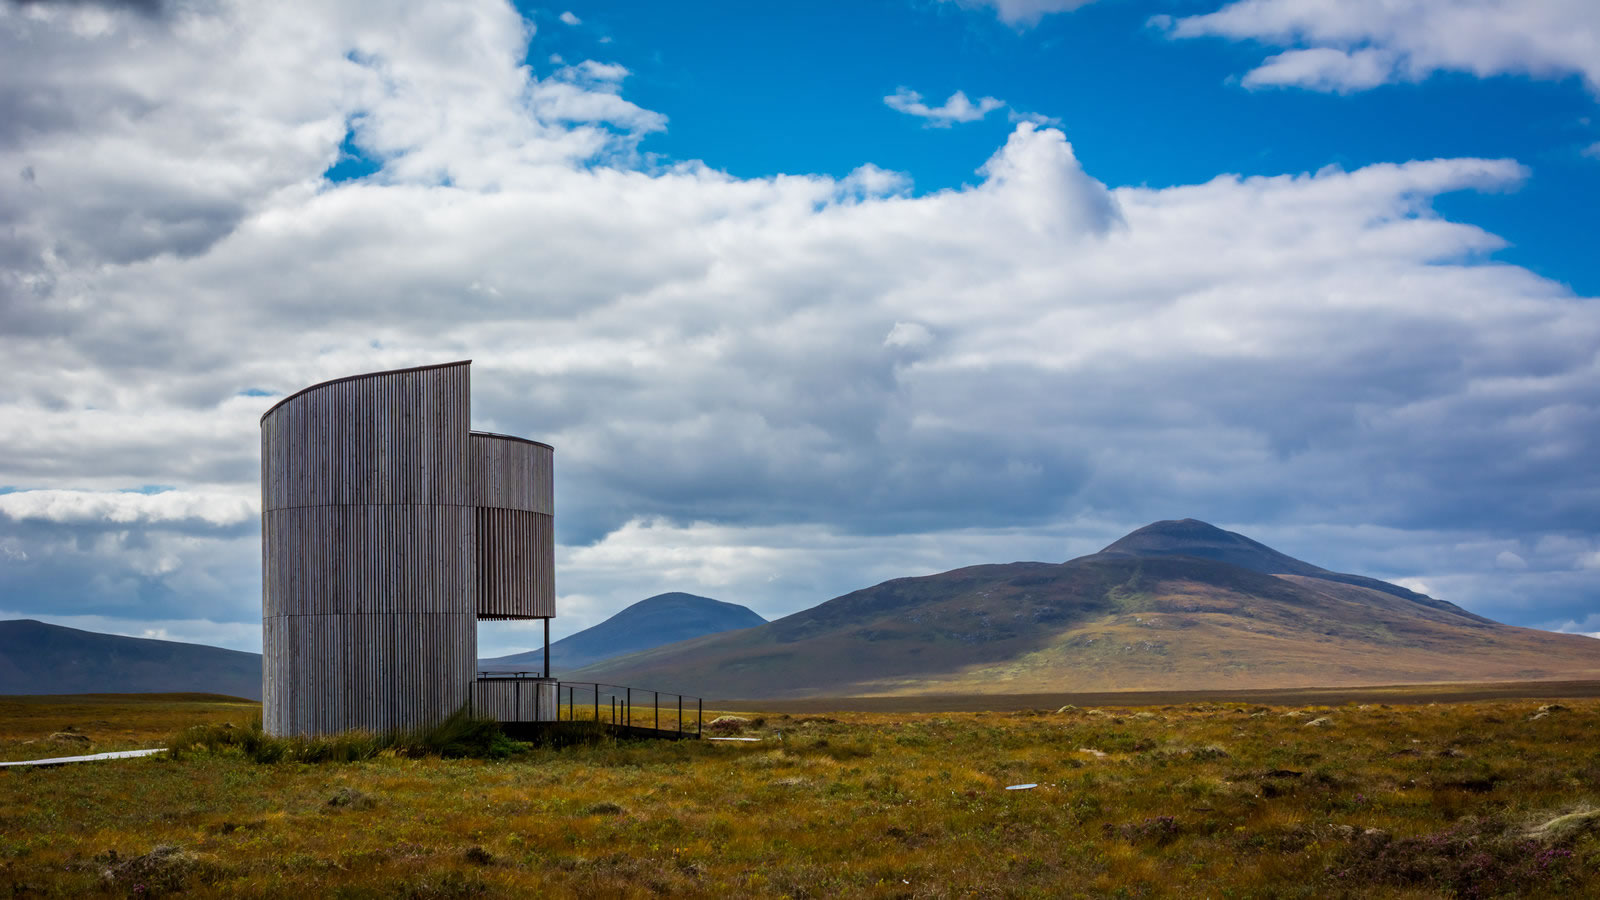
(1192, 800)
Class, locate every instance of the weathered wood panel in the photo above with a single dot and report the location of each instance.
(386, 438)
(515, 565)
(329, 560)
(512, 473)
(367, 553)
(384, 672)
(516, 699)
(513, 490)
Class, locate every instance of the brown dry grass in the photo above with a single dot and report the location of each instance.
(109, 721)
(1179, 801)
(1400, 694)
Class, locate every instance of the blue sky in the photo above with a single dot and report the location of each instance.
(810, 296)
(757, 89)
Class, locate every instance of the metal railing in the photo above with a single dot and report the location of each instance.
(616, 705)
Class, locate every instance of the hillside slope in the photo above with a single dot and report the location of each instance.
(36, 658)
(662, 619)
(1173, 606)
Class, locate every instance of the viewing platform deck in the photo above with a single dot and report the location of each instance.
(529, 703)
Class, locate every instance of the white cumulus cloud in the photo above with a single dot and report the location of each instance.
(1353, 45)
(127, 507)
(1324, 69)
(957, 108)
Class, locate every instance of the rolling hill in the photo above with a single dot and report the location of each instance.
(662, 619)
(1176, 605)
(36, 658)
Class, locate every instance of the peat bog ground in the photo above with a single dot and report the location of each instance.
(1484, 798)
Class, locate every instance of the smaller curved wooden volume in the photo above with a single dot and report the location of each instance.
(514, 495)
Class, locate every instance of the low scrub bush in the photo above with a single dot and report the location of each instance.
(1475, 858)
(460, 736)
(1157, 830)
(838, 750)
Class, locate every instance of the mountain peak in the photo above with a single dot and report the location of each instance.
(676, 598)
(1202, 540)
(1188, 527)
(1192, 537)
(651, 622)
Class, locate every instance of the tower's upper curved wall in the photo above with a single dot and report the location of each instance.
(385, 438)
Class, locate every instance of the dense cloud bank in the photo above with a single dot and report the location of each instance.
(768, 390)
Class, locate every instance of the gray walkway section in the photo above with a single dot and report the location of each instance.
(93, 757)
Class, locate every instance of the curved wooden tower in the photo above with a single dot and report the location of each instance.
(388, 529)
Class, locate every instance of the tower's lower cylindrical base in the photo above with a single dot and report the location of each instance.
(373, 672)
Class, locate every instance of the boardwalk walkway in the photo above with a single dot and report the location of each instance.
(93, 757)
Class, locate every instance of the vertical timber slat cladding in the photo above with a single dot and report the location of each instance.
(388, 529)
(514, 495)
(516, 699)
(368, 621)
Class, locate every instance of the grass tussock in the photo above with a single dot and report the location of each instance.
(463, 735)
(1186, 800)
(1473, 858)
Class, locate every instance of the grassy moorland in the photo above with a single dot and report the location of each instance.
(97, 723)
(1479, 799)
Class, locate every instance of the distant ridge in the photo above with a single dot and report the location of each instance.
(662, 619)
(1175, 605)
(36, 658)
